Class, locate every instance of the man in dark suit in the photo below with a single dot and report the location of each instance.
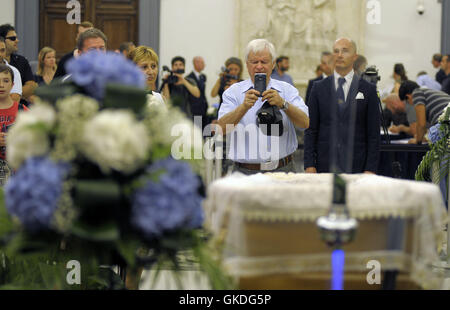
(344, 131)
(327, 67)
(199, 106)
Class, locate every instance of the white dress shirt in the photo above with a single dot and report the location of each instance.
(247, 144)
(347, 84)
(17, 88)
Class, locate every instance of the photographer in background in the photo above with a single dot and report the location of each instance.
(178, 88)
(231, 74)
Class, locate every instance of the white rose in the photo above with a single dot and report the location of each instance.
(115, 140)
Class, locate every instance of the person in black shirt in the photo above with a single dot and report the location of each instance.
(446, 67)
(21, 63)
(178, 92)
(61, 70)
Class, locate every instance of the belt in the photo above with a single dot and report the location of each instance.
(281, 163)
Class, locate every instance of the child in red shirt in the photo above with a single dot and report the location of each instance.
(8, 114)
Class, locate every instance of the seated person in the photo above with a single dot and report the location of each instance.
(46, 66)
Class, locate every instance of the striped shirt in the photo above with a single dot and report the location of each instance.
(434, 101)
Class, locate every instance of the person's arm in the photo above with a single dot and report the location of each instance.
(28, 89)
(215, 90)
(191, 88)
(16, 91)
(310, 154)
(373, 132)
(231, 119)
(421, 126)
(166, 90)
(28, 83)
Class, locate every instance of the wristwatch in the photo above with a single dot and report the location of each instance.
(285, 105)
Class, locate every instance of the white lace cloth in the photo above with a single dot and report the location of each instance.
(234, 201)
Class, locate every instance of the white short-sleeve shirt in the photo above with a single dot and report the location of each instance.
(247, 143)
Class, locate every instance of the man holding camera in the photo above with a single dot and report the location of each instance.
(246, 107)
(178, 88)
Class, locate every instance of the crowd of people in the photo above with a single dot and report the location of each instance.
(347, 139)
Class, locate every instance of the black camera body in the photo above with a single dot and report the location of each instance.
(268, 115)
(371, 75)
(227, 76)
(173, 79)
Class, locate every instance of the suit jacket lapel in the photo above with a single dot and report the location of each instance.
(353, 89)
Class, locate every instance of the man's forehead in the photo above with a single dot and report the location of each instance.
(261, 54)
(5, 74)
(11, 33)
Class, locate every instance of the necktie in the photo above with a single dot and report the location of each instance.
(340, 91)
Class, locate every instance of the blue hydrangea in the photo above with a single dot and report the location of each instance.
(435, 134)
(32, 194)
(171, 203)
(94, 70)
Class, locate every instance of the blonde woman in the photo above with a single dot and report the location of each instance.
(46, 66)
(147, 60)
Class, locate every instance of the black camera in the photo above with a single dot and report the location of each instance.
(268, 115)
(172, 79)
(371, 75)
(227, 77)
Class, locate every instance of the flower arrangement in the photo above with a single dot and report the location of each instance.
(439, 139)
(96, 182)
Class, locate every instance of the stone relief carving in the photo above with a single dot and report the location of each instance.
(300, 29)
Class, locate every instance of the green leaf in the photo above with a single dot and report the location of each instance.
(105, 232)
(127, 248)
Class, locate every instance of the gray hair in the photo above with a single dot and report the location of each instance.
(259, 45)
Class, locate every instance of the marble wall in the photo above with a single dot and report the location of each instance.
(300, 29)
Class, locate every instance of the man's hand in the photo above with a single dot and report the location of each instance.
(369, 172)
(181, 79)
(250, 98)
(311, 170)
(394, 129)
(273, 97)
(3, 136)
(412, 141)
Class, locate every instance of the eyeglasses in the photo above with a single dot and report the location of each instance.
(11, 38)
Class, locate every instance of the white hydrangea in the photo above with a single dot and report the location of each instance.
(157, 100)
(28, 137)
(444, 112)
(169, 126)
(115, 140)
